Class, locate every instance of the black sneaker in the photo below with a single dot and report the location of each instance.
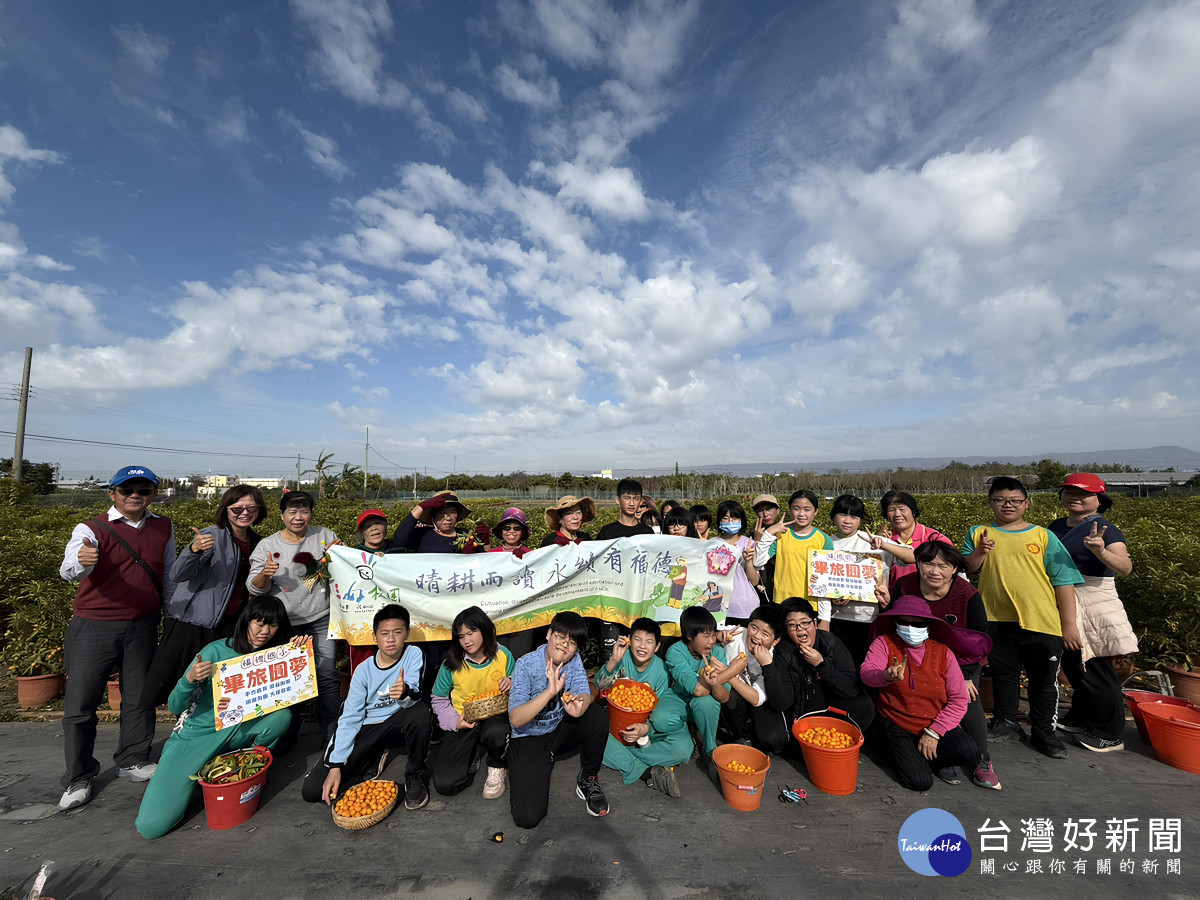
(416, 794)
(1049, 745)
(1071, 726)
(662, 778)
(1097, 744)
(948, 774)
(592, 794)
(1004, 730)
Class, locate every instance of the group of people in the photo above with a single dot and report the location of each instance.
(904, 665)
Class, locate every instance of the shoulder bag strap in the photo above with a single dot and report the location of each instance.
(133, 553)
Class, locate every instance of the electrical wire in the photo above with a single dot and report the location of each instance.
(66, 440)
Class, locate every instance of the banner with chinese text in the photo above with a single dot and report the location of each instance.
(253, 685)
(656, 576)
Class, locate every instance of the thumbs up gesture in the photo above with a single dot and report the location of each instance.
(89, 553)
(201, 541)
(396, 691)
(986, 544)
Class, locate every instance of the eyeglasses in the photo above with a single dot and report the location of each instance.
(240, 511)
(129, 492)
(800, 626)
(511, 528)
(1009, 501)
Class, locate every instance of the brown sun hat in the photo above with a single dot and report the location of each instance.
(585, 503)
(451, 498)
(764, 499)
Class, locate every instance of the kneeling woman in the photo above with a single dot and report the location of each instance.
(262, 623)
(922, 694)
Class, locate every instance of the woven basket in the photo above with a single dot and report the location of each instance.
(478, 710)
(360, 822)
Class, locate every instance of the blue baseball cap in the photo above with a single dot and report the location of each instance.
(131, 472)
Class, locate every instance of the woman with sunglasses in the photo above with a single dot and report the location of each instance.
(210, 587)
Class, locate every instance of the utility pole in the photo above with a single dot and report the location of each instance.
(297, 471)
(366, 462)
(19, 449)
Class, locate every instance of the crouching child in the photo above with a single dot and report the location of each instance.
(382, 712)
(551, 714)
(650, 750)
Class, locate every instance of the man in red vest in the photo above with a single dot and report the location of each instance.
(122, 561)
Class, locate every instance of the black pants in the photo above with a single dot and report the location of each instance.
(531, 760)
(774, 729)
(408, 728)
(855, 635)
(1096, 700)
(518, 643)
(177, 649)
(1014, 648)
(451, 771)
(92, 649)
(916, 772)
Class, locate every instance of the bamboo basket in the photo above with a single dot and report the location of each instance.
(478, 710)
(358, 823)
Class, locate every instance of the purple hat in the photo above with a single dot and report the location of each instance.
(967, 646)
(512, 514)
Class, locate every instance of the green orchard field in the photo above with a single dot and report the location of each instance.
(1162, 595)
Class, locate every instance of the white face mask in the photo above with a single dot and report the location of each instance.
(912, 635)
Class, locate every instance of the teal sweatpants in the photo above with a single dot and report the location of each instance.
(705, 713)
(670, 744)
(170, 790)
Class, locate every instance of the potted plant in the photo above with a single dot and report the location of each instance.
(33, 645)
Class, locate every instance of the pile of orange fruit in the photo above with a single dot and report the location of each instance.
(366, 799)
(486, 696)
(634, 697)
(827, 737)
(740, 768)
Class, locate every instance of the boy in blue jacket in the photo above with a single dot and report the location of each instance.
(382, 712)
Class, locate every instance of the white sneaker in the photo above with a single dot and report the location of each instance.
(494, 786)
(143, 771)
(77, 794)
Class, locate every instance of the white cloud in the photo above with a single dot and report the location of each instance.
(92, 247)
(14, 148)
(144, 50)
(951, 26)
(321, 149)
(349, 58)
(231, 125)
(540, 93)
(611, 191)
(466, 107)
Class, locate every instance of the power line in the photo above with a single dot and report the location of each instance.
(66, 440)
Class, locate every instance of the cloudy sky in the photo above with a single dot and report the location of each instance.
(565, 234)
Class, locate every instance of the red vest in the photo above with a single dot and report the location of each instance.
(951, 609)
(915, 701)
(118, 589)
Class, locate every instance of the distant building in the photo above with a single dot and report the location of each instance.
(265, 484)
(603, 473)
(220, 481)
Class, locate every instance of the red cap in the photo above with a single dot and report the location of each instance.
(1085, 481)
(380, 514)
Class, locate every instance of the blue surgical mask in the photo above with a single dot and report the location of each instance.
(912, 635)
(730, 527)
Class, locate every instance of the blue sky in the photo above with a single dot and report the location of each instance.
(570, 235)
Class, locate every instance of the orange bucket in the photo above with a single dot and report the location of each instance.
(1135, 698)
(1174, 734)
(620, 718)
(831, 770)
(742, 790)
(234, 802)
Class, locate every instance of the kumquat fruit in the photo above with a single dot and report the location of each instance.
(633, 697)
(740, 768)
(827, 738)
(366, 799)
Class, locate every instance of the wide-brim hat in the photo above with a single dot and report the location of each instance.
(369, 514)
(1085, 481)
(967, 646)
(512, 514)
(764, 498)
(585, 503)
(426, 517)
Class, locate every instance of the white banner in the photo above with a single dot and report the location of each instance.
(620, 580)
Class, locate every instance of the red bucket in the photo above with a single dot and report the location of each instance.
(620, 718)
(832, 770)
(1136, 698)
(1174, 734)
(232, 803)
